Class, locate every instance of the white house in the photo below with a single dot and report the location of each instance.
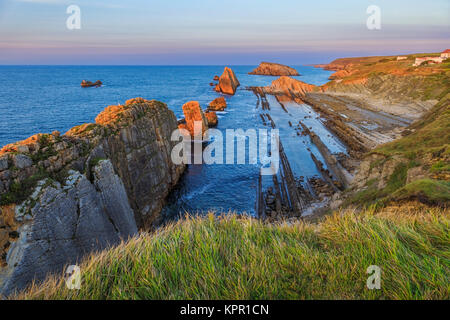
(445, 54)
(401, 58)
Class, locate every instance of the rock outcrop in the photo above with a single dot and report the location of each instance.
(87, 84)
(211, 117)
(63, 222)
(228, 82)
(63, 196)
(274, 69)
(287, 86)
(218, 104)
(193, 113)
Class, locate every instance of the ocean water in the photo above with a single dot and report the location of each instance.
(40, 99)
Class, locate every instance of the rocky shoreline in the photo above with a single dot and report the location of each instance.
(64, 196)
(353, 112)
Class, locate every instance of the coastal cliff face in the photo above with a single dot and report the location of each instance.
(274, 69)
(228, 82)
(403, 96)
(63, 196)
(60, 223)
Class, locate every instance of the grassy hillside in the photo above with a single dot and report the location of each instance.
(243, 258)
(416, 166)
(392, 79)
(423, 155)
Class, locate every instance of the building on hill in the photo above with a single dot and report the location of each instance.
(401, 58)
(445, 54)
(421, 60)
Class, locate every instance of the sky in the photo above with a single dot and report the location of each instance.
(216, 32)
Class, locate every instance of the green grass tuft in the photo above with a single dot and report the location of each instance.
(433, 191)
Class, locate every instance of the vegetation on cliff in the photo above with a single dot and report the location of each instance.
(235, 257)
(426, 82)
(416, 166)
(420, 162)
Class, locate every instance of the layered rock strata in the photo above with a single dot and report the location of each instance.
(63, 196)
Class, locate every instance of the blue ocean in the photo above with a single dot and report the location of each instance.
(41, 99)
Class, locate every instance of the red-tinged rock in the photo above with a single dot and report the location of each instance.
(193, 113)
(274, 69)
(289, 86)
(88, 84)
(218, 104)
(216, 78)
(135, 100)
(111, 114)
(228, 82)
(211, 117)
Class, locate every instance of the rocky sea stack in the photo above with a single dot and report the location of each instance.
(218, 104)
(193, 113)
(64, 196)
(274, 69)
(228, 82)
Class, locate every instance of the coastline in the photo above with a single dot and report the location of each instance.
(321, 117)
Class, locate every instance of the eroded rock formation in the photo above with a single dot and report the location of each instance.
(193, 113)
(87, 84)
(218, 104)
(228, 82)
(274, 69)
(62, 196)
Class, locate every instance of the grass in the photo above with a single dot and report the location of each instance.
(433, 191)
(233, 257)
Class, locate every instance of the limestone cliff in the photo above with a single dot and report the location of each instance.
(63, 196)
(274, 69)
